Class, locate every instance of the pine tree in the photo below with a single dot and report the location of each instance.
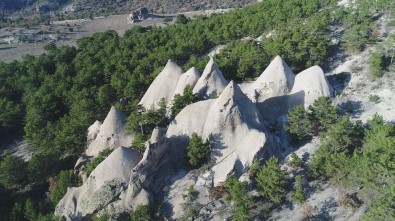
(271, 180)
(198, 151)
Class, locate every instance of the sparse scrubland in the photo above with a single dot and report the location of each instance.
(53, 98)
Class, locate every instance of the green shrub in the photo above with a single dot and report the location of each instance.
(139, 142)
(13, 170)
(374, 99)
(317, 118)
(238, 194)
(30, 210)
(181, 101)
(271, 180)
(141, 213)
(167, 19)
(295, 161)
(376, 64)
(198, 151)
(65, 179)
(299, 194)
(254, 169)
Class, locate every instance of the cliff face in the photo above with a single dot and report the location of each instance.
(233, 123)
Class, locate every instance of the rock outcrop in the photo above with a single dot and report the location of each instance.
(309, 85)
(103, 186)
(109, 134)
(162, 87)
(269, 92)
(169, 82)
(211, 83)
(231, 123)
(188, 78)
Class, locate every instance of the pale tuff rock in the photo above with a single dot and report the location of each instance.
(269, 91)
(162, 87)
(231, 123)
(309, 85)
(167, 84)
(109, 134)
(211, 83)
(188, 78)
(102, 187)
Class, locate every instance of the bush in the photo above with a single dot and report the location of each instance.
(271, 180)
(318, 118)
(238, 194)
(377, 64)
(65, 179)
(298, 123)
(13, 170)
(181, 19)
(299, 194)
(39, 171)
(254, 169)
(181, 101)
(349, 201)
(139, 142)
(308, 212)
(30, 210)
(198, 151)
(167, 19)
(295, 161)
(374, 99)
(141, 213)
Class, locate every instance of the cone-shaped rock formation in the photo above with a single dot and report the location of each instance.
(103, 186)
(211, 83)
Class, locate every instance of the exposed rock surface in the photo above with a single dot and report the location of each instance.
(103, 186)
(162, 87)
(231, 123)
(211, 83)
(269, 91)
(188, 78)
(169, 82)
(109, 134)
(309, 85)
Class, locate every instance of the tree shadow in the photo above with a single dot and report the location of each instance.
(216, 146)
(339, 81)
(352, 108)
(329, 205)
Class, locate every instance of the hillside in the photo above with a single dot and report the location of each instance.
(290, 118)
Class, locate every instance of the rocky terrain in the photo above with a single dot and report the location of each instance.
(233, 123)
(242, 122)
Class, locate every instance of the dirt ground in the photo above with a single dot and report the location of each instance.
(68, 31)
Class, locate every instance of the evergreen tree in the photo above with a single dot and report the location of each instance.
(238, 194)
(198, 151)
(141, 213)
(65, 179)
(13, 170)
(271, 180)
